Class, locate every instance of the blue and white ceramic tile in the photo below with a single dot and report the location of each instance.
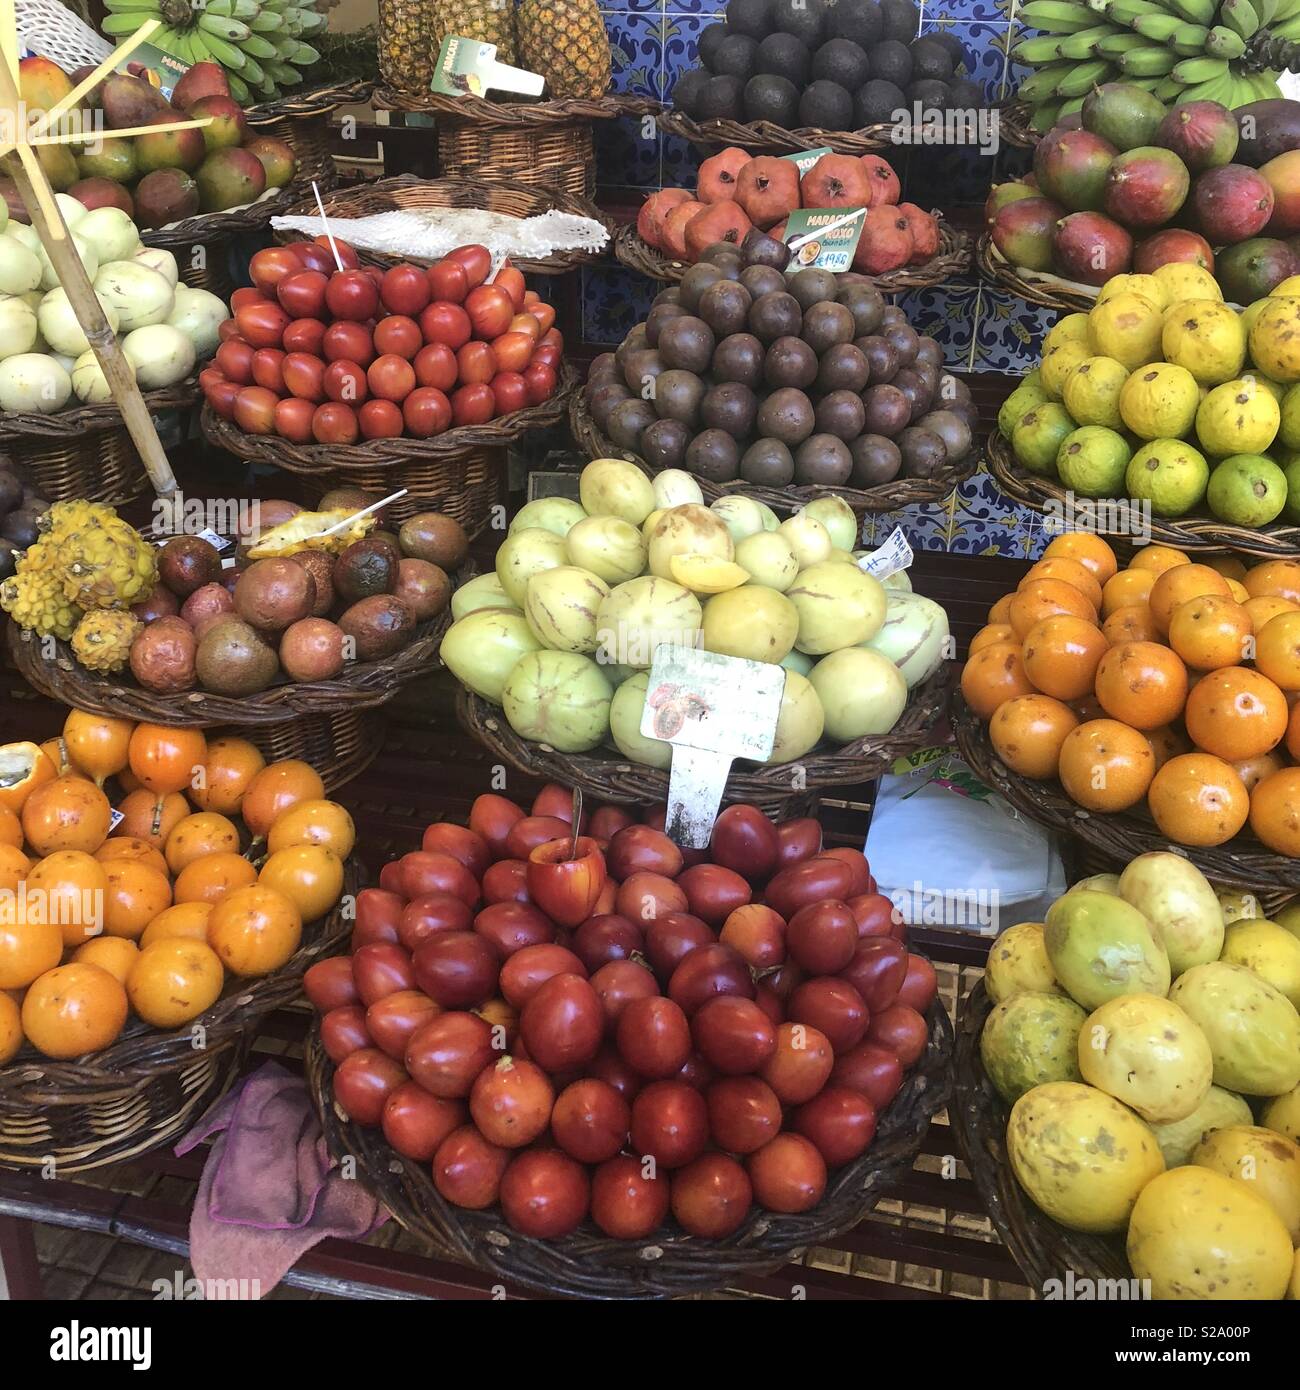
(986, 50)
(945, 313)
(614, 301)
(635, 6)
(926, 525)
(985, 522)
(1009, 335)
(943, 13)
(699, 7)
(636, 48)
(624, 157)
(680, 162)
(681, 44)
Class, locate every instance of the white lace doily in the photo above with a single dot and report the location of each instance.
(432, 232)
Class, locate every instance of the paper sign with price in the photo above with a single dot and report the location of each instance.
(712, 709)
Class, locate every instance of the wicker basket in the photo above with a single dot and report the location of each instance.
(1242, 862)
(546, 142)
(363, 685)
(409, 193)
(210, 228)
(590, 1265)
(86, 451)
(1199, 532)
(762, 137)
(1014, 127)
(887, 497)
(1033, 286)
(384, 458)
(953, 258)
(340, 746)
(1043, 1249)
(607, 777)
(148, 1087)
(302, 121)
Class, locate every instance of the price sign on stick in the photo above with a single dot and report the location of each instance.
(712, 709)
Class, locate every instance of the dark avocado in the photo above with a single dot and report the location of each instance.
(826, 106)
(786, 56)
(931, 96)
(931, 60)
(688, 89)
(710, 38)
(806, 19)
(859, 20)
(876, 103)
(721, 99)
(902, 19)
(752, 17)
(736, 56)
(770, 97)
(842, 61)
(891, 61)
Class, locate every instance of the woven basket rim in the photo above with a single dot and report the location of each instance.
(608, 775)
(319, 101)
(93, 419)
(588, 1264)
(207, 227)
(1014, 125)
(1043, 1249)
(447, 447)
(142, 1051)
(472, 110)
(1120, 835)
(400, 188)
(767, 136)
(1200, 531)
(886, 497)
(952, 258)
(1034, 286)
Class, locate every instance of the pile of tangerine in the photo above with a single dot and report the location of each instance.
(151, 915)
(1169, 680)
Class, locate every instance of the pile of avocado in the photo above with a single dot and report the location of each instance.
(842, 66)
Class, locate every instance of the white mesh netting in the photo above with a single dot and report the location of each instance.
(52, 30)
(432, 232)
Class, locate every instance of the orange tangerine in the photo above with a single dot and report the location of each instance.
(14, 867)
(1277, 650)
(1198, 800)
(1088, 549)
(1238, 590)
(998, 613)
(112, 953)
(278, 786)
(231, 765)
(72, 887)
(1293, 733)
(254, 930)
(1211, 631)
(1236, 713)
(11, 829)
(1180, 585)
(136, 895)
(1276, 578)
(1061, 655)
(23, 768)
(96, 743)
(1251, 770)
(151, 817)
(205, 832)
(29, 944)
(323, 823)
(1125, 589)
(1229, 566)
(310, 876)
(67, 813)
(993, 674)
(209, 879)
(167, 759)
(1027, 733)
(11, 1029)
(1041, 598)
(1156, 559)
(174, 981)
(1106, 765)
(1275, 811)
(1131, 624)
(1167, 742)
(1068, 572)
(129, 847)
(990, 633)
(1265, 607)
(1142, 684)
(189, 920)
(72, 1010)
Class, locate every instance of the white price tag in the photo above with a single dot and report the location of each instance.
(214, 540)
(891, 557)
(712, 709)
(1289, 85)
(115, 818)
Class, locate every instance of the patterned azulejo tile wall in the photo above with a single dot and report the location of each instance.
(981, 330)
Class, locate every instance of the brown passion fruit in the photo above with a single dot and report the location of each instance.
(271, 594)
(187, 563)
(435, 537)
(379, 626)
(423, 587)
(234, 659)
(205, 605)
(364, 568)
(162, 656)
(312, 650)
(320, 565)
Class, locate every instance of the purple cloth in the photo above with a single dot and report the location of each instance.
(269, 1190)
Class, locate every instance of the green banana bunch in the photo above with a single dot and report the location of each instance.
(1228, 51)
(261, 44)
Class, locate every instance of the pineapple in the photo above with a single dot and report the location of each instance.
(406, 46)
(565, 41)
(489, 21)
